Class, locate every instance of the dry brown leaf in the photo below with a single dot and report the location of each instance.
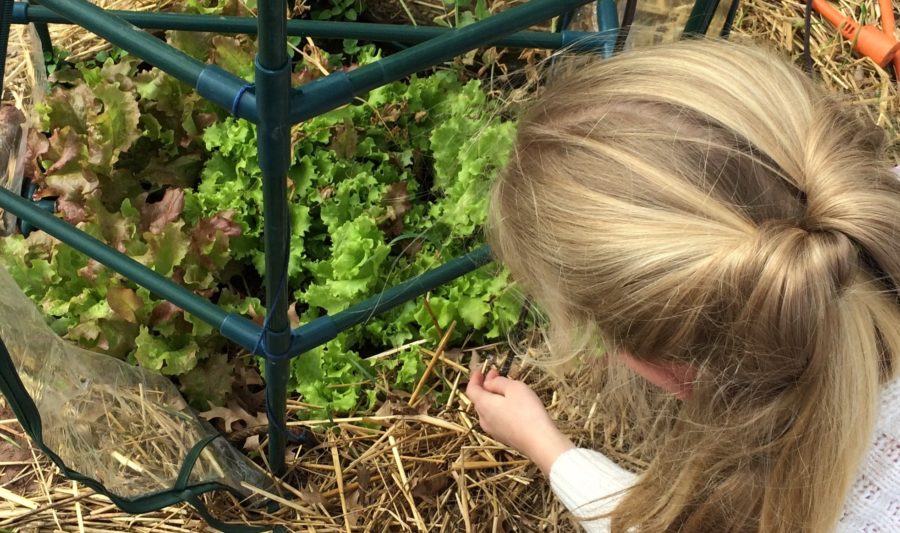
(312, 496)
(252, 444)
(428, 485)
(363, 478)
(231, 414)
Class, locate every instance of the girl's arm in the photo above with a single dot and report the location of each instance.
(586, 482)
(589, 484)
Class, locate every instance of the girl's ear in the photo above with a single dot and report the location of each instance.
(674, 378)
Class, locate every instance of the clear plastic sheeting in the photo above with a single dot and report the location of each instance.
(655, 21)
(122, 425)
(662, 21)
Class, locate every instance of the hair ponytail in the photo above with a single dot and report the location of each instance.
(704, 203)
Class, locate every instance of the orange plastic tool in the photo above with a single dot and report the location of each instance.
(888, 24)
(868, 40)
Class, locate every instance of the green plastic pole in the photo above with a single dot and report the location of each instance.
(700, 18)
(323, 329)
(729, 18)
(412, 288)
(131, 269)
(340, 88)
(323, 29)
(210, 81)
(273, 86)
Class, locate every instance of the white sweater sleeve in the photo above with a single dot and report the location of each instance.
(589, 484)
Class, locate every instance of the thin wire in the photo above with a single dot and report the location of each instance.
(262, 343)
(236, 103)
(262, 348)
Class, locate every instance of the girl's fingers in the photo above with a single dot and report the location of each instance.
(492, 374)
(496, 384)
(483, 400)
(477, 377)
(476, 385)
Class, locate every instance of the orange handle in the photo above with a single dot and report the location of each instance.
(847, 27)
(887, 16)
(867, 40)
(888, 23)
(875, 44)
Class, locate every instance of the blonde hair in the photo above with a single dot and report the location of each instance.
(706, 203)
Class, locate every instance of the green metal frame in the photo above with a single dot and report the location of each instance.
(24, 13)
(273, 105)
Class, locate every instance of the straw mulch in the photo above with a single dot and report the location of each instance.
(419, 467)
(413, 465)
(856, 79)
(81, 44)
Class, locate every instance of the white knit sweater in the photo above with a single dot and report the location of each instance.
(587, 482)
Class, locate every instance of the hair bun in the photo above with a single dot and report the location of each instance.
(818, 253)
(781, 286)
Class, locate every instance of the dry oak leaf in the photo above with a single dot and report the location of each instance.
(233, 413)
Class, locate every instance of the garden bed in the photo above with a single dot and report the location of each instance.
(401, 466)
(420, 467)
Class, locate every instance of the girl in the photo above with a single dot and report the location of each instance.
(731, 235)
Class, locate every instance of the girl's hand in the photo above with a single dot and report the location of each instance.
(509, 411)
